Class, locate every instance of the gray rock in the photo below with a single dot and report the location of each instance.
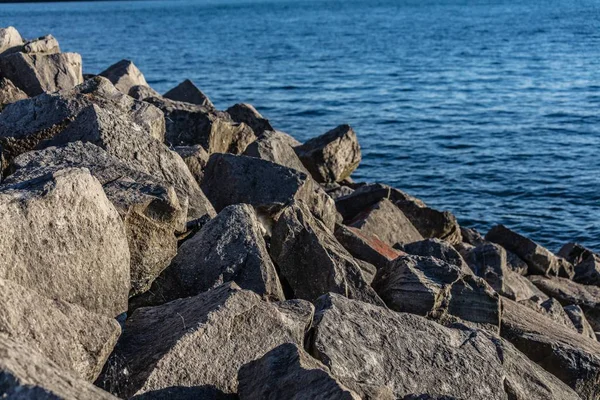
(202, 340)
(518, 288)
(551, 309)
(572, 358)
(574, 253)
(365, 246)
(142, 92)
(488, 261)
(366, 196)
(471, 236)
(196, 158)
(333, 156)
(581, 324)
(367, 348)
(9, 93)
(42, 45)
(288, 372)
(430, 287)
(70, 336)
(38, 73)
(312, 262)
(124, 75)
(65, 240)
(339, 191)
(10, 40)
(277, 147)
(588, 270)
(247, 114)
(25, 374)
(187, 92)
(438, 249)
(515, 263)
(387, 222)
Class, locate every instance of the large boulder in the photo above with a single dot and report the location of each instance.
(430, 287)
(586, 262)
(580, 322)
(124, 75)
(187, 92)
(201, 340)
(552, 309)
(64, 239)
(333, 156)
(9, 93)
(313, 263)
(277, 147)
(365, 246)
(247, 114)
(288, 372)
(75, 339)
(368, 348)
(42, 45)
(26, 374)
(438, 249)
(196, 158)
(572, 358)
(38, 73)
(10, 40)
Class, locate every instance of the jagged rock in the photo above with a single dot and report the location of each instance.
(515, 263)
(438, 249)
(42, 45)
(9, 93)
(196, 158)
(10, 40)
(574, 253)
(187, 92)
(288, 372)
(142, 92)
(430, 287)
(551, 309)
(339, 191)
(387, 222)
(519, 288)
(38, 73)
(65, 240)
(588, 271)
(70, 336)
(569, 292)
(201, 340)
(367, 195)
(26, 374)
(367, 348)
(539, 260)
(277, 147)
(572, 358)
(124, 75)
(581, 324)
(312, 262)
(333, 156)
(247, 114)
(148, 206)
(365, 246)
(229, 248)
(471, 236)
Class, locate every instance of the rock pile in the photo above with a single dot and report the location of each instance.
(155, 247)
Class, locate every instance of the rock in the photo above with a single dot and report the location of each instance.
(148, 206)
(277, 147)
(38, 73)
(333, 156)
(368, 348)
(10, 40)
(539, 260)
(551, 309)
(365, 246)
(515, 263)
(574, 253)
(288, 372)
(196, 158)
(26, 374)
(430, 287)
(187, 92)
(201, 340)
(581, 324)
(312, 262)
(588, 270)
(519, 288)
(124, 75)
(247, 114)
(339, 191)
(471, 236)
(65, 240)
(9, 93)
(572, 358)
(142, 92)
(366, 196)
(42, 45)
(387, 222)
(68, 335)
(438, 249)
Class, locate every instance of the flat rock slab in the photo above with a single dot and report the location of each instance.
(187, 92)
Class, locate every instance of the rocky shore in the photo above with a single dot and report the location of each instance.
(154, 247)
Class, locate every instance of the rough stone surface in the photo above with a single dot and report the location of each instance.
(202, 340)
(196, 158)
(124, 75)
(277, 147)
(366, 247)
(579, 321)
(588, 270)
(574, 253)
(70, 336)
(551, 309)
(9, 93)
(430, 287)
(572, 358)
(187, 92)
(333, 156)
(247, 114)
(38, 73)
(25, 374)
(312, 262)
(10, 40)
(288, 372)
(518, 288)
(368, 348)
(64, 239)
(142, 92)
(42, 45)
(438, 249)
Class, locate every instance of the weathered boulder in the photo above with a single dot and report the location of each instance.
(70, 336)
(579, 321)
(142, 92)
(288, 372)
(387, 222)
(587, 263)
(518, 288)
(124, 75)
(333, 156)
(338, 191)
(365, 246)
(42, 45)
(187, 92)
(438, 249)
(367, 195)
(26, 374)
(38, 73)
(65, 240)
(9, 93)
(312, 262)
(368, 348)
(471, 236)
(10, 40)
(569, 356)
(247, 114)
(201, 340)
(196, 158)
(430, 287)
(551, 309)
(574, 253)
(277, 147)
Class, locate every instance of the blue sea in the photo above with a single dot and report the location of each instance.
(489, 109)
